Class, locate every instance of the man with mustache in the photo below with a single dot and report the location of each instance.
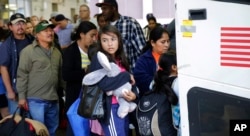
(9, 56)
(38, 77)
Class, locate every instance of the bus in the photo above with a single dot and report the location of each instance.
(213, 58)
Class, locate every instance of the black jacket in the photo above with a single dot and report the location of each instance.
(72, 73)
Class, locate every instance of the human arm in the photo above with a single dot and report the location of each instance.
(71, 66)
(7, 83)
(5, 63)
(24, 67)
(144, 71)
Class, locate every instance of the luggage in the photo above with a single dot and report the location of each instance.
(16, 125)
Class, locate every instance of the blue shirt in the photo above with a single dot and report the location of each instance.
(9, 55)
(133, 38)
(64, 35)
(2, 87)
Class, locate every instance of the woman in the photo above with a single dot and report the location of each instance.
(147, 63)
(111, 45)
(75, 61)
(165, 94)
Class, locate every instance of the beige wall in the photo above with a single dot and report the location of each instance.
(44, 8)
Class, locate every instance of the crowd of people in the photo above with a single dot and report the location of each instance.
(42, 62)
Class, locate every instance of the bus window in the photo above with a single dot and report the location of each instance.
(210, 112)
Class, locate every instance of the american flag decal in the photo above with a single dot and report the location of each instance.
(235, 47)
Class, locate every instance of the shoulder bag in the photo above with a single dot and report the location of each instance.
(91, 104)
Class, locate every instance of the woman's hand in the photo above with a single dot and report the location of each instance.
(129, 95)
(132, 80)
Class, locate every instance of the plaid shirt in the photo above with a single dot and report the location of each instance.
(133, 38)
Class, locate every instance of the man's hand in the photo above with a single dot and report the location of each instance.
(23, 103)
(11, 95)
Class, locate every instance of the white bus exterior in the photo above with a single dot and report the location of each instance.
(213, 56)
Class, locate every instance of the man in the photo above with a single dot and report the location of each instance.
(152, 23)
(9, 56)
(34, 20)
(84, 15)
(38, 77)
(130, 29)
(53, 21)
(65, 30)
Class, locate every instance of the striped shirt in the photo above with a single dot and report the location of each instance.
(133, 38)
(84, 58)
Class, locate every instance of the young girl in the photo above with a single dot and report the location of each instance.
(111, 45)
(166, 81)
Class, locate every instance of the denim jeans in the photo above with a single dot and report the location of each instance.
(12, 105)
(46, 113)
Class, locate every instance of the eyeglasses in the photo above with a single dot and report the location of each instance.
(83, 10)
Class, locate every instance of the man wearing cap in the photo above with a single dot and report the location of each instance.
(152, 23)
(130, 29)
(9, 56)
(53, 21)
(65, 30)
(38, 77)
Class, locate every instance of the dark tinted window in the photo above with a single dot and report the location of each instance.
(210, 112)
(236, 1)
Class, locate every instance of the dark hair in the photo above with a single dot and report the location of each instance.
(84, 27)
(119, 54)
(98, 16)
(92, 49)
(162, 81)
(152, 18)
(154, 35)
(4, 34)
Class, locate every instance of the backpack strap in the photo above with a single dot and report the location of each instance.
(176, 126)
(171, 80)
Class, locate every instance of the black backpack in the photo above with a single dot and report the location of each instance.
(22, 128)
(154, 115)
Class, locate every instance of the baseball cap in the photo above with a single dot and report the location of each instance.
(42, 26)
(60, 17)
(53, 15)
(107, 2)
(17, 17)
(149, 16)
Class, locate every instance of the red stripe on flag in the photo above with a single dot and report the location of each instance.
(235, 34)
(234, 58)
(235, 52)
(235, 41)
(235, 65)
(235, 46)
(235, 28)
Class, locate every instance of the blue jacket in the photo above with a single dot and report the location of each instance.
(144, 71)
(108, 84)
(9, 56)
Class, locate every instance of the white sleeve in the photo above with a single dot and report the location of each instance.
(175, 86)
